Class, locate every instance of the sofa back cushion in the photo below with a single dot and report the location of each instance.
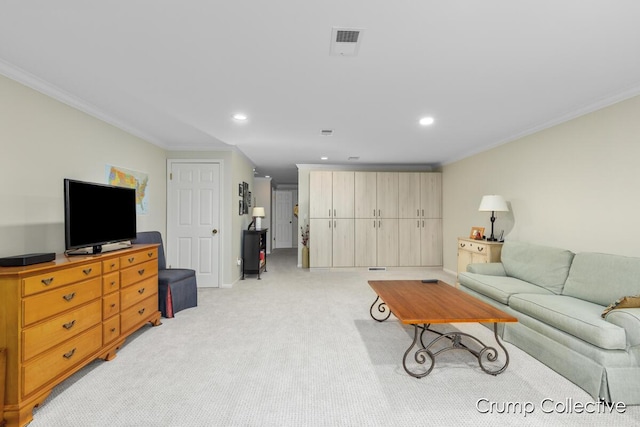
(541, 265)
(603, 278)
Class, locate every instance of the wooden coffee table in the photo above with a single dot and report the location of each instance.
(421, 304)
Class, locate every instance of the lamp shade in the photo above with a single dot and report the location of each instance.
(493, 203)
(258, 212)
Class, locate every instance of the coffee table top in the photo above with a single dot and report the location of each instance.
(414, 302)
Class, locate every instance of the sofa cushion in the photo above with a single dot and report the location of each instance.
(603, 278)
(572, 315)
(541, 265)
(498, 288)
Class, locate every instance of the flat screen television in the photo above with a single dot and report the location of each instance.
(96, 215)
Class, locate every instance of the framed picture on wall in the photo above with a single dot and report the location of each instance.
(241, 207)
(240, 190)
(248, 201)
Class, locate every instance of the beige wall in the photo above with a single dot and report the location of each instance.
(43, 141)
(573, 186)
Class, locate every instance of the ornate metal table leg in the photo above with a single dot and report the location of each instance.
(420, 356)
(382, 308)
(453, 341)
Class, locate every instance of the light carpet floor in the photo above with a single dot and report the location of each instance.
(299, 348)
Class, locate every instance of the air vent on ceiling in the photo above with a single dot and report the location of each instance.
(326, 132)
(345, 41)
(353, 158)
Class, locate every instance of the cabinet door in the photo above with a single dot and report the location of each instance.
(366, 245)
(320, 194)
(320, 242)
(409, 242)
(464, 259)
(343, 242)
(343, 194)
(431, 242)
(409, 194)
(365, 195)
(431, 195)
(387, 194)
(387, 240)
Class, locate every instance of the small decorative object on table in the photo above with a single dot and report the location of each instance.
(477, 233)
(305, 246)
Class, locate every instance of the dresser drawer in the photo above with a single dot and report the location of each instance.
(139, 257)
(139, 291)
(131, 317)
(110, 282)
(41, 306)
(138, 272)
(110, 265)
(476, 247)
(110, 305)
(52, 332)
(44, 282)
(111, 329)
(59, 359)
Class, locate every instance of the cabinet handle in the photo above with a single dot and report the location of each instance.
(422, 212)
(141, 271)
(374, 223)
(378, 212)
(423, 223)
(141, 311)
(69, 325)
(480, 249)
(69, 297)
(462, 245)
(334, 213)
(329, 224)
(149, 254)
(69, 354)
(379, 224)
(113, 330)
(113, 265)
(374, 212)
(47, 282)
(141, 291)
(131, 260)
(335, 224)
(87, 271)
(417, 212)
(418, 223)
(113, 305)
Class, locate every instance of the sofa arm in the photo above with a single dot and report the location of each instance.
(488, 268)
(629, 319)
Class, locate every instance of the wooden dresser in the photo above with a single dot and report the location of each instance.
(58, 316)
(472, 251)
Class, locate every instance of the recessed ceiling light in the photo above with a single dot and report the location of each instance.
(240, 117)
(426, 121)
(324, 158)
(267, 176)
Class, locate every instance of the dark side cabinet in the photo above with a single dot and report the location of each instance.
(254, 252)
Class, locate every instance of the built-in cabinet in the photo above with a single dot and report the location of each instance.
(331, 219)
(392, 219)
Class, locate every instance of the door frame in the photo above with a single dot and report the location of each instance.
(223, 210)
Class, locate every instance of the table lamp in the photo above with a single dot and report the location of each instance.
(493, 204)
(258, 214)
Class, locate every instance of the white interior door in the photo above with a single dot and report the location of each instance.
(193, 219)
(284, 219)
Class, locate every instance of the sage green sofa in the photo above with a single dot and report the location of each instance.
(559, 298)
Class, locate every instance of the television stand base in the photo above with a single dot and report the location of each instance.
(96, 250)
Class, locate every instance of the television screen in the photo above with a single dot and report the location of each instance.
(97, 214)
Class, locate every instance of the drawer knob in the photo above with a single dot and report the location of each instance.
(141, 272)
(69, 297)
(48, 281)
(69, 325)
(113, 330)
(69, 354)
(113, 265)
(141, 291)
(113, 305)
(87, 271)
(141, 311)
(149, 254)
(131, 260)
(113, 283)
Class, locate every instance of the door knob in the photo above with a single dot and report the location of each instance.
(215, 231)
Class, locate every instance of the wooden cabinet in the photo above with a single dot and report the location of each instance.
(58, 316)
(472, 251)
(398, 219)
(254, 252)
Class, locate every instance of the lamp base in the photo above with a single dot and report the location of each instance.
(258, 223)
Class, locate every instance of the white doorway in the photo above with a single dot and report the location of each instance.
(284, 219)
(193, 218)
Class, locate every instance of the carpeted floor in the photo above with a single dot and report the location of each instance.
(299, 348)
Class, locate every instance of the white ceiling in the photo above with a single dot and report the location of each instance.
(173, 72)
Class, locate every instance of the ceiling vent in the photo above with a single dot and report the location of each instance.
(326, 132)
(345, 41)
